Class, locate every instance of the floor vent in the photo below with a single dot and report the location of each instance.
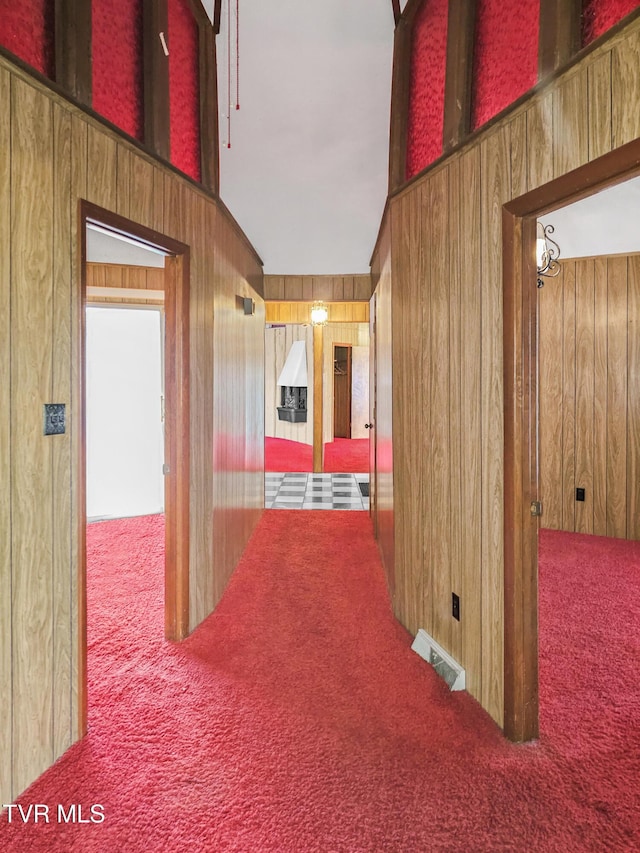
(443, 663)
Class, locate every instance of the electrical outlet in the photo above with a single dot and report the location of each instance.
(579, 494)
(455, 606)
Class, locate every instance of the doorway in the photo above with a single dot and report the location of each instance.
(522, 492)
(342, 383)
(173, 292)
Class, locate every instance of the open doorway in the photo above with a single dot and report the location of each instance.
(529, 366)
(134, 399)
(342, 384)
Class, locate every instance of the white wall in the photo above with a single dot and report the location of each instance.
(306, 174)
(125, 442)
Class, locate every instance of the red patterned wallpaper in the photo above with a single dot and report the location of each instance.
(26, 29)
(184, 89)
(505, 61)
(600, 15)
(117, 63)
(426, 101)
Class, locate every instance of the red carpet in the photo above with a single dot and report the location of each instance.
(344, 455)
(347, 455)
(281, 455)
(296, 718)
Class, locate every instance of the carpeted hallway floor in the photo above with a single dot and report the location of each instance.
(297, 719)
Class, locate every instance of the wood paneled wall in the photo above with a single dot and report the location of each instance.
(300, 312)
(447, 321)
(329, 288)
(122, 277)
(589, 397)
(278, 342)
(52, 155)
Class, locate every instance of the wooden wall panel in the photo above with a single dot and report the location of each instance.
(469, 204)
(409, 386)
(616, 441)
(587, 317)
(585, 382)
(456, 473)
(31, 452)
(51, 156)
(551, 391)
(61, 447)
(625, 86)
(568, 353)
(102, 178)
(495, 190)
(600, 396)
(329, 288)
(599, 115)
(122, 277)
(299, 313)
(5, 436)
(437, 363)
(633, 373)
(570, 124)
(573, 118)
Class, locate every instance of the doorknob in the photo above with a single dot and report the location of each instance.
(368, 426)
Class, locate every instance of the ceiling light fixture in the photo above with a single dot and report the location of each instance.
(319, 314)
(547, 253)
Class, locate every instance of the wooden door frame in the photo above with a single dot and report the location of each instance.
(521, 475)
(177, 457)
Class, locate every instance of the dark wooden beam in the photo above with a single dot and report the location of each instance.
(559, 38)
(217, 8)
(73, 48)
(395, 4)
(400, 93)
(156, 78)
(457, 90)
(209, 144)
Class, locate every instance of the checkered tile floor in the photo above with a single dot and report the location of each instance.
(314, 491)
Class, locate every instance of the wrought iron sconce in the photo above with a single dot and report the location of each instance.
(547, 253)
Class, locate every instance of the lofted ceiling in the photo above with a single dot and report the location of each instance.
(306, 173)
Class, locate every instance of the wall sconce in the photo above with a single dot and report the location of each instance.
(547, 253)
(319, 314)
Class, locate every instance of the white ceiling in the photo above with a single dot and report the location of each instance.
(607, 223)
(306, 176)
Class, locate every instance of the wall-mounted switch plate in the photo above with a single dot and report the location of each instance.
(579, 494)
(54, 418)
(455, 606)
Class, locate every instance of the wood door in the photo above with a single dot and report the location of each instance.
(341, 391)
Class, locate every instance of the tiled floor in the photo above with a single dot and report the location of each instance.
(315, 491)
